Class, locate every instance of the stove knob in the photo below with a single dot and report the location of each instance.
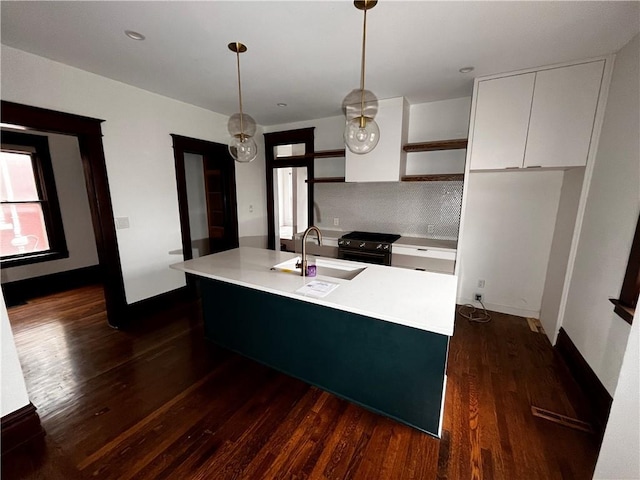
(362, 245)
(348, 242)
(386, 247)
(340, 242)
(379, 246)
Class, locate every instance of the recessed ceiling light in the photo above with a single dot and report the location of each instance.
(134, 35)
(282, 104)
(466, 69)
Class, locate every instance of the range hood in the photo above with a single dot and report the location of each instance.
(387, 162)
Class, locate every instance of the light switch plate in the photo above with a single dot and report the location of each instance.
(122, 222)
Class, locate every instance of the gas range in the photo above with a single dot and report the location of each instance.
(367, 247)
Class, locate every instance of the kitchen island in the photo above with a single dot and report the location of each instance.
(379, 338)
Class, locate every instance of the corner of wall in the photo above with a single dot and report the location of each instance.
(14, 389)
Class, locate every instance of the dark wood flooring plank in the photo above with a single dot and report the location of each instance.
(157, 401)
(327, 460)
(244, 433)
(158, 432)
(269, 453)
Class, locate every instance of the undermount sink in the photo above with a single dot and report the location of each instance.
(324, 267)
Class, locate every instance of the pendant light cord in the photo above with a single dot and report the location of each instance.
(364, 44)
(240, 93)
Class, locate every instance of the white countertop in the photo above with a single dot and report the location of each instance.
(430, 243)
(422, 300)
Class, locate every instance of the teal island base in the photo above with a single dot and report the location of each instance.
(391, 369)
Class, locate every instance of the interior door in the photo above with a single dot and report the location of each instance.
(222, 234)
(216, 178)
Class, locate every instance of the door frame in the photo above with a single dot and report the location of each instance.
(182, 145)
(88, 131)
(301, 135)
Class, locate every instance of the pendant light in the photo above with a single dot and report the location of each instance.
(241, 126)
(362, 133)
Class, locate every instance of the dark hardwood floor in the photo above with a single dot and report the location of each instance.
(157, 401)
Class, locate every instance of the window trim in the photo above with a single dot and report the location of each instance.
(38, 146)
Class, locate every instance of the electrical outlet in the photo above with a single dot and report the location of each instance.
(336, 221)
(250, 208)
(431, 229)
(478, 297)
(480, 283)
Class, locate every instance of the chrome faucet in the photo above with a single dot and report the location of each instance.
(303, 264)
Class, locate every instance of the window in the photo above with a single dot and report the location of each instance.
(30, 221)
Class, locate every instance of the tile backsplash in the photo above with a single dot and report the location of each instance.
(406, 208)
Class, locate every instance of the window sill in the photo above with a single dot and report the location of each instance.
(28, 259)
(624, 312)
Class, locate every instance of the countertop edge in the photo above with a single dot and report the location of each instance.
(447, 330)
(317, 301)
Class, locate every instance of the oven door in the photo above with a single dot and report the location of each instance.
(379, 258)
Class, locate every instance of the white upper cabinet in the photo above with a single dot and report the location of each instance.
(501, 122)
(562, 115)
(536, 119)
(387, 161)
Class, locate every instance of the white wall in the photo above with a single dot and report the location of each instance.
(508, 230)
(13, 389)
(608, 226)
(139, 158)
(444, 120)
(327, 133)
(558, 259)
(618, 457)
(74, 208)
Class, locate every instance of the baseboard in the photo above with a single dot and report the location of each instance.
(496, 307)
(16, 293)
(161, 302)
(593, 389)
(20, 427)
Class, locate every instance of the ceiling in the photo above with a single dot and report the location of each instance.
(307, 53)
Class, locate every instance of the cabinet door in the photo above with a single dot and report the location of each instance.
(562, 115)
(501, 121)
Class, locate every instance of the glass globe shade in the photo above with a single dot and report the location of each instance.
(360, 139)
(248, 125)
(352, 104)
(243, 149)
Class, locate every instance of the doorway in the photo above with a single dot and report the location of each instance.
(88, 131)
(206, 181)
(289, 167)
(290, 188)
